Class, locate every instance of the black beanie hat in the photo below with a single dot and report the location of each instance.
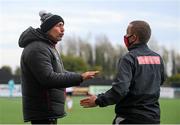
(49, 20)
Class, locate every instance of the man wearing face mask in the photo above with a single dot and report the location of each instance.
(136, 88)
(44, 78)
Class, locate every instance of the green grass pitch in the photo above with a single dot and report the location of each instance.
(11, 112)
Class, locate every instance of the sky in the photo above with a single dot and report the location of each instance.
(88, 17)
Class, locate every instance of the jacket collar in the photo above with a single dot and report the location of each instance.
(138, 45)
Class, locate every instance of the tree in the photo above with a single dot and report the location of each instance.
(105, 55)
(86, 51)
(5, 74)
(17, 75)
(174, 69)
(178, 63)
(71, 46)
(17, 71)
(7, 69)
(174, 80)
(75, 64)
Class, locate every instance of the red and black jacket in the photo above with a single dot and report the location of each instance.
(136, 88)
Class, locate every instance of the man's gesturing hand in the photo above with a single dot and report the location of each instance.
(88, 102)
(89, 74)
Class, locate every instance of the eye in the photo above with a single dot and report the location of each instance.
(61, 24)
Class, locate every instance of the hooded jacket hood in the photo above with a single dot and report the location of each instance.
(31, 35)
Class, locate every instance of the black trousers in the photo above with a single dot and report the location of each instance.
(119, 120)
(44, 121)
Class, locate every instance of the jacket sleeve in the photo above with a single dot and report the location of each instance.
(163, 72)
(120, 86)
(39, 63)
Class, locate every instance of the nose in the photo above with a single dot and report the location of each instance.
(62, 29)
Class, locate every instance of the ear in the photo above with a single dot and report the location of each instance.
(134, 38)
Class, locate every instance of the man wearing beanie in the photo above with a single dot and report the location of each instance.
(44, 78)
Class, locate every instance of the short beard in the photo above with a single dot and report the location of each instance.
(59, 39)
